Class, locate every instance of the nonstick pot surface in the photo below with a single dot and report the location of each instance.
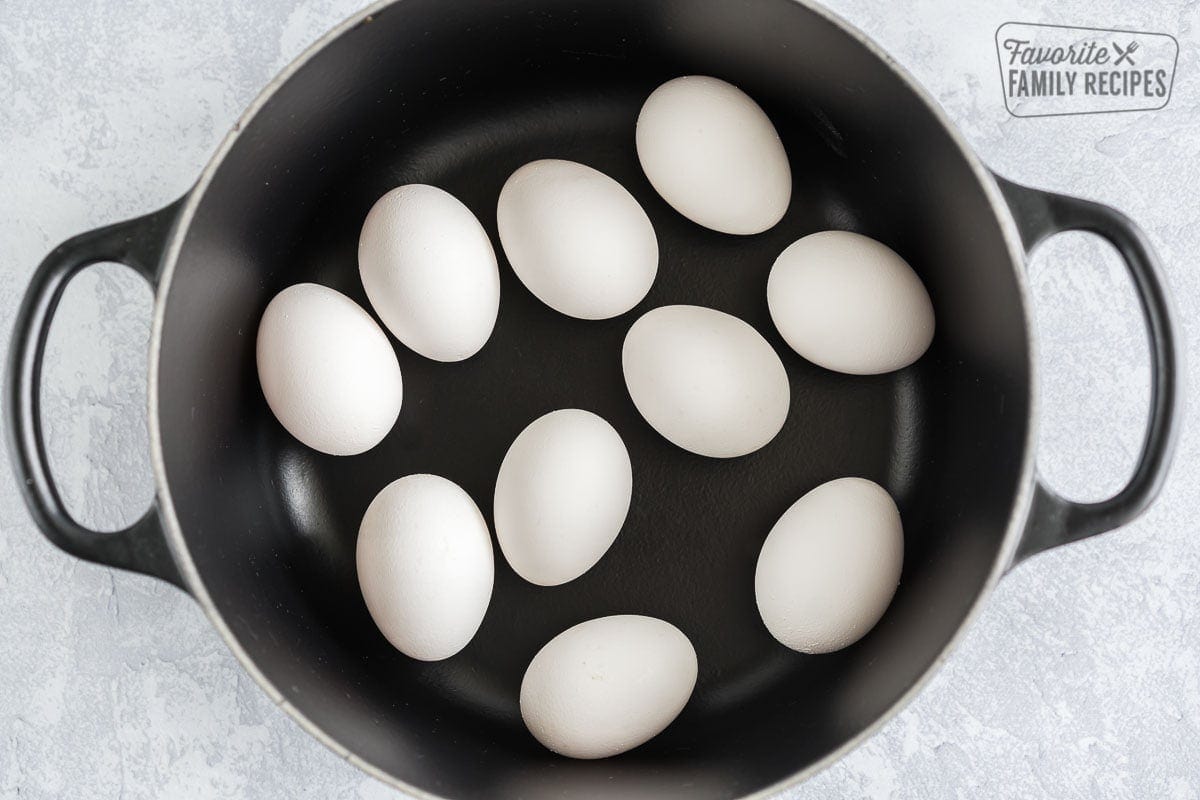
(459, 95)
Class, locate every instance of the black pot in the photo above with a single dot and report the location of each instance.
(261, 530)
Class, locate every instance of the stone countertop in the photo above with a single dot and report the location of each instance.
(1080, 679)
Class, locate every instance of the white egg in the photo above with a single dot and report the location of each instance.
(712, 153)
(430, 272)
(705, 380)
(328, 372)
(830, 566)
(850, 304)
(607, 685)
(562, 495)
(425, 567)
(577, 239)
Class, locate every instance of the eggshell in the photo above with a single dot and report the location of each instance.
(850, 304)
(328, 372)
(607, 685)
(577, 239)
(830, 566)
(712, 153)
(430, 272)
(705, 380)
(425, 567)
(562, 495)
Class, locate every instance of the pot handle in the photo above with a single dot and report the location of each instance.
(1054, 520)
(137, 243)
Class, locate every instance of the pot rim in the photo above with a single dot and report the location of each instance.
(174, 534)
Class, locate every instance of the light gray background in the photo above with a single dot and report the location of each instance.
(1081, 678)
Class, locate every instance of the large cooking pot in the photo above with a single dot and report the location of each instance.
(260, 530)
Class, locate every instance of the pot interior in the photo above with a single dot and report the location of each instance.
(459, 95)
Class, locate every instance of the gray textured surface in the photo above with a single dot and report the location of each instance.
(1081, 678)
